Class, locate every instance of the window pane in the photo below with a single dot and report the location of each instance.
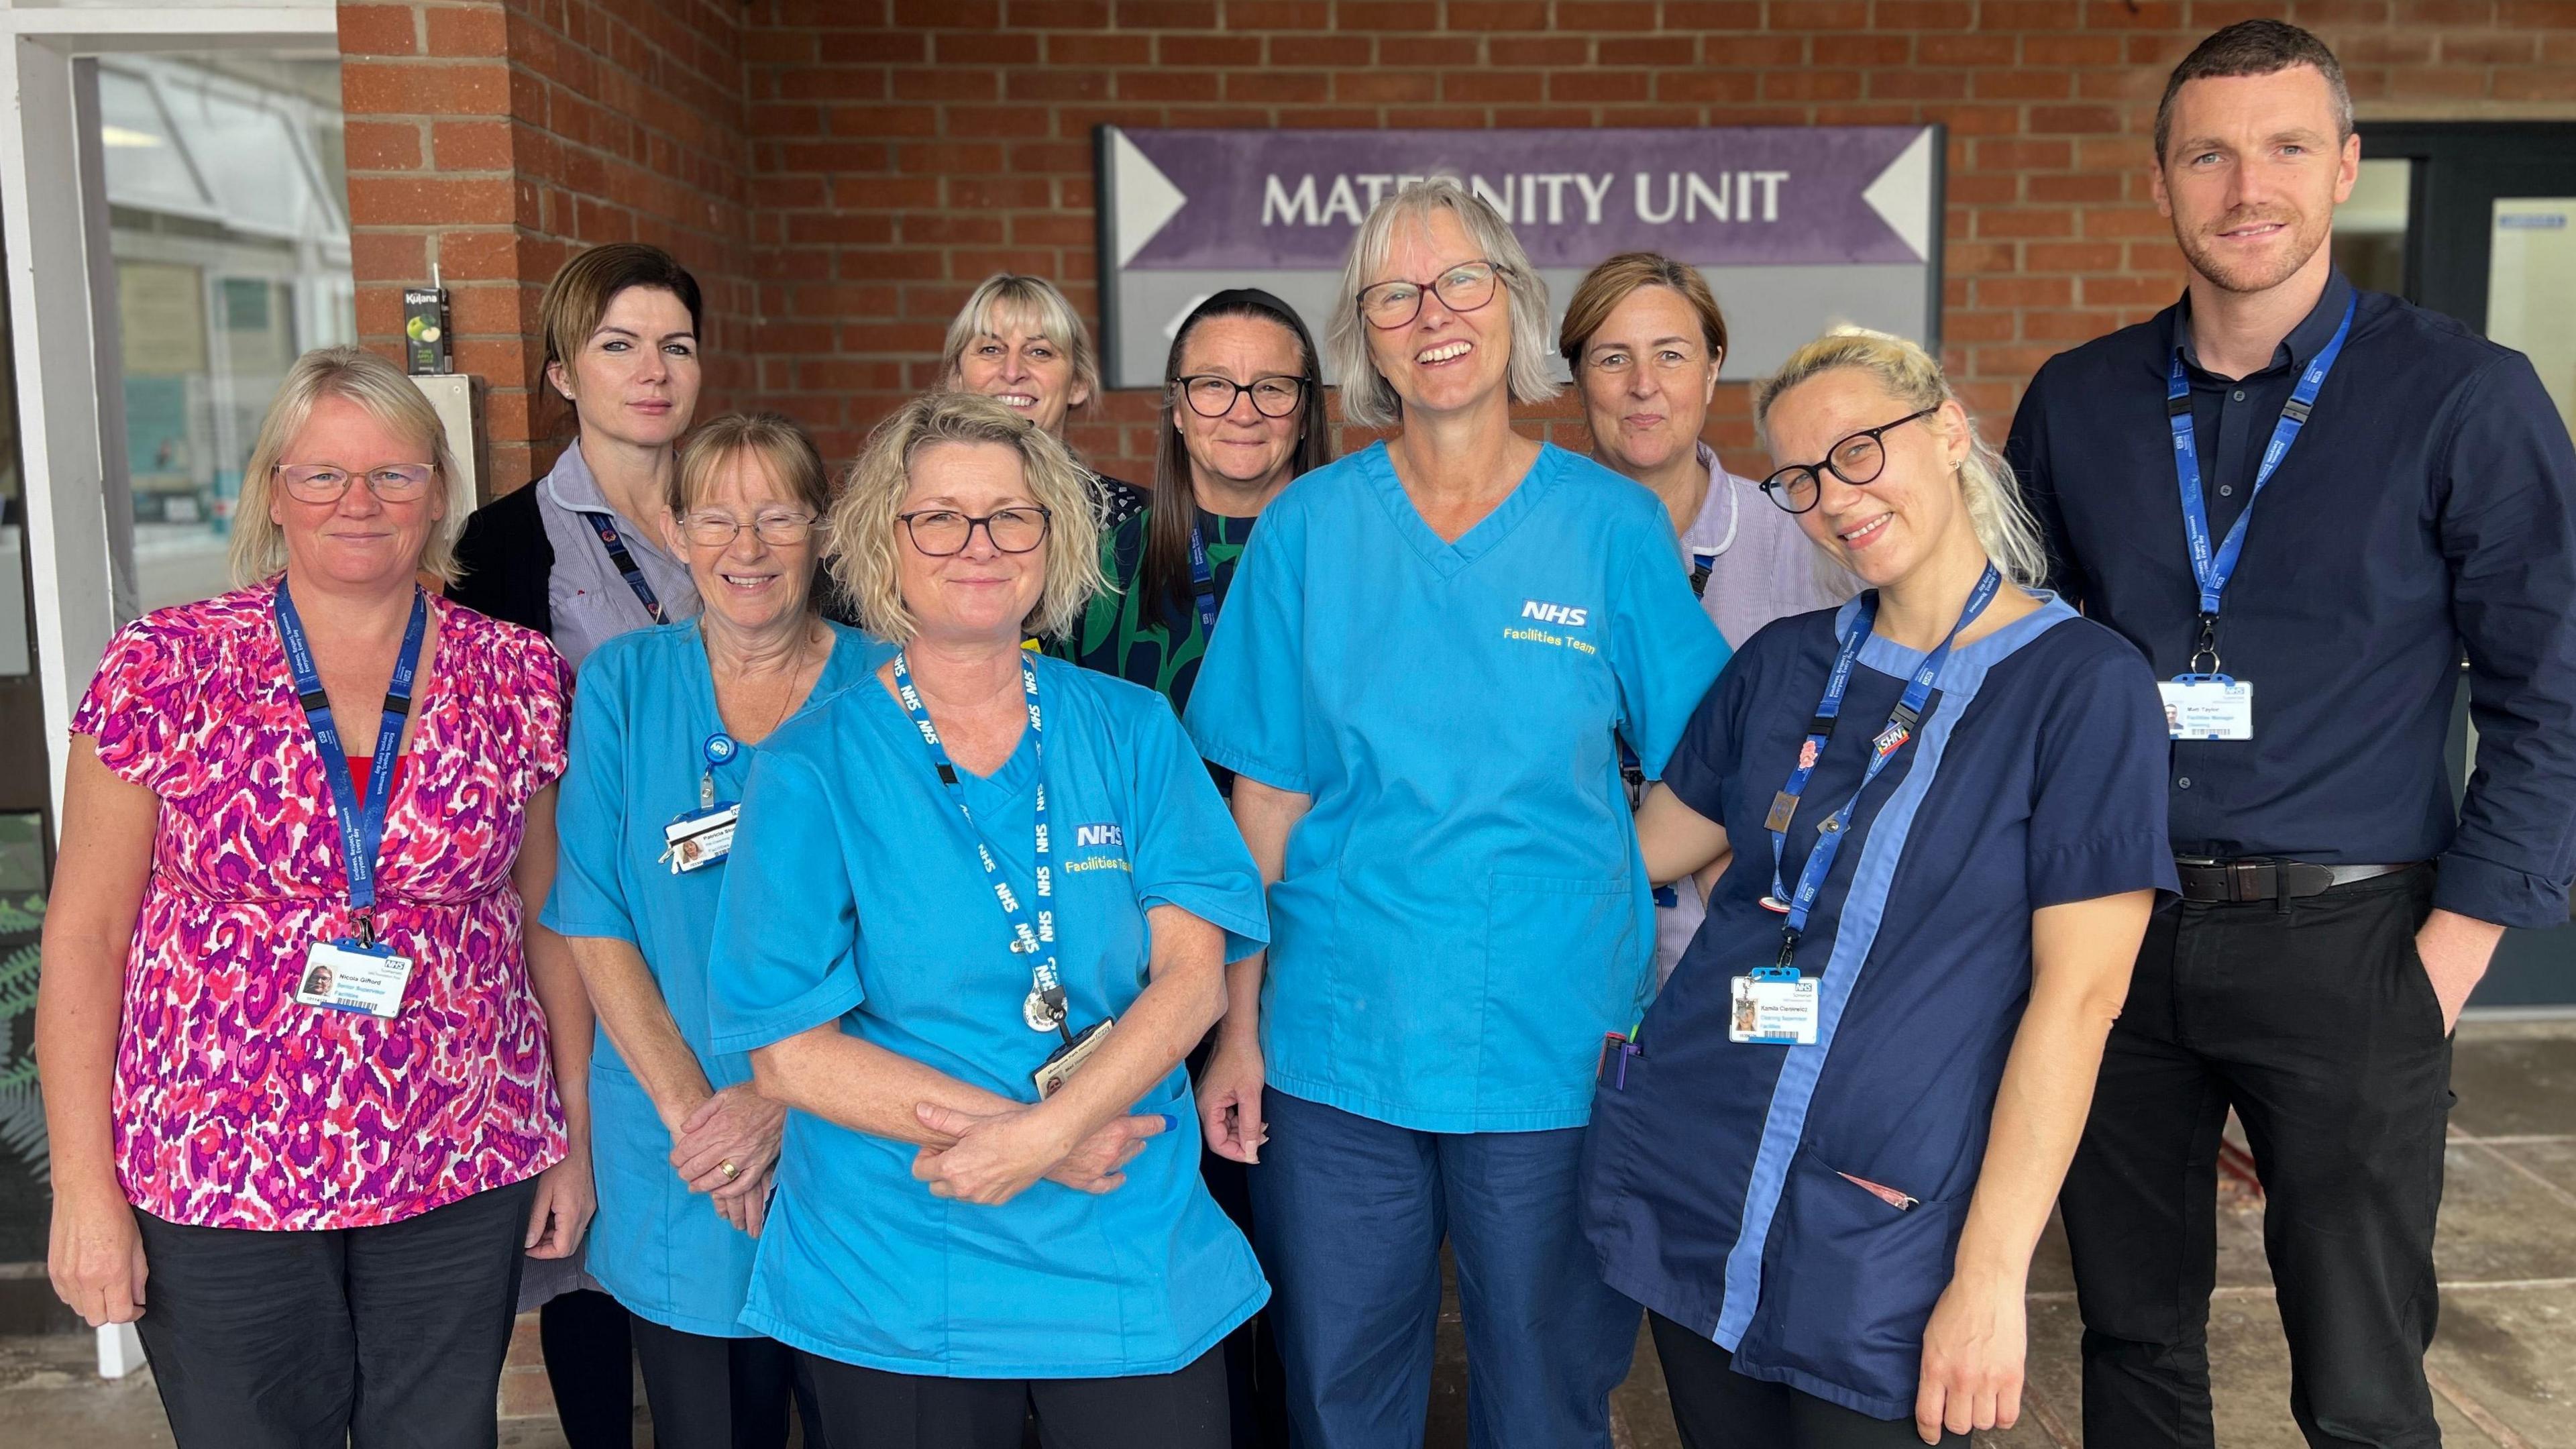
(2531, 289)
(2370, 228)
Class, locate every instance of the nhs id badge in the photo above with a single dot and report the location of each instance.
(1773, 1006)
(2208, 707)
(345, 976)
(700, 838)
(1068, 1059)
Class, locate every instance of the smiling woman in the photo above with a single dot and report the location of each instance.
(1019, 342)
(1432, 653)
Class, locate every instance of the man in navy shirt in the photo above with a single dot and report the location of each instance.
(2418, 506)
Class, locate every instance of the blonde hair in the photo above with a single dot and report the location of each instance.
(1913, 380)
(781, 446)
(1367, 399)
(380, 389)
(863, 535)
(1041, 311)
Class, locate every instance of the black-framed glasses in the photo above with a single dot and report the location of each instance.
(1857, 460)
(719, 530)
(326, 482)
(1211, 396)
(941, 532)
(1463, 288)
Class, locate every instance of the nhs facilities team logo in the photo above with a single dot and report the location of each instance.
(1098, 847)
(1564, 615)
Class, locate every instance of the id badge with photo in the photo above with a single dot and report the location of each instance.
(345, 976)
(1069, 1058)
(1774, 1006)
(2208, 707)
(700, 838)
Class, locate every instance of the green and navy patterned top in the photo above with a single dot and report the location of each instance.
(1128, 635)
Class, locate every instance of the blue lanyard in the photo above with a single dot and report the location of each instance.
(1900, 728)
(606, 527)
(1203, 582)
(1045, 1007)
(362, 828)
(2213, 568)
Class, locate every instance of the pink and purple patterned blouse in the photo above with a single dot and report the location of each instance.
(234, 1106)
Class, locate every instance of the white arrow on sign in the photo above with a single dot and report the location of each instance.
(1902, 195)
(1146, 197)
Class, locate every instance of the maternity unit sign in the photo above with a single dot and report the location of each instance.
(1795, 227)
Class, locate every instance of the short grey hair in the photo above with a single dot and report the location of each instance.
(1041, 311)
(862, 534)
(1367, 399)
(2003, 523)
(382, 391)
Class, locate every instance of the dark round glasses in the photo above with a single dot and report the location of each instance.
(1857, 460)
(1211, 396)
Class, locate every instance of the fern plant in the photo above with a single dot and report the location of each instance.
(22, 1105)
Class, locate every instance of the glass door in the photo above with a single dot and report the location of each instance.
(2490, 238)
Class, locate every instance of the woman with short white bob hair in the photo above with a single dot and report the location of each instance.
(1018, 341)
(309, 1062)
(1430, 656)
(1938, 818)
(980, 909)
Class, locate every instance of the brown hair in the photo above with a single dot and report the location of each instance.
(1607, 285)
(584, 287)
(2254, 47)
(1164, 575)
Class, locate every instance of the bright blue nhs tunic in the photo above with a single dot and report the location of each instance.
(857, 899)
(1463, 911)
(1714, 1187)
(644, 709)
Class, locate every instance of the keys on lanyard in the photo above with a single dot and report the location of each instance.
(605, 526)
(2203, 703)
(1044, 1009)
(703, 836)
(354, 973)
(1202, 584)
(1831, 830)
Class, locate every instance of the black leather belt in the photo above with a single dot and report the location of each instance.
(2233, 881)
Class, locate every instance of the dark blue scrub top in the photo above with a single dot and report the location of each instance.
(1712, 1192)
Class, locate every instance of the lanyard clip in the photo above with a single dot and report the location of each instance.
(364, 922)
(1788, 949)
(2206, 647)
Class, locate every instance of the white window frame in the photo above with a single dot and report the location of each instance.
(62, 302)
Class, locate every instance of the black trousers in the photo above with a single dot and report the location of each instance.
(722, 1393)
(379, 1338)
(2314, 1019)
(1717, 1408)
(865, 1408)
(590, 1365)
(1256, 1385)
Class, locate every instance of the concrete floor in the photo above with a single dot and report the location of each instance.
(2503, 1369)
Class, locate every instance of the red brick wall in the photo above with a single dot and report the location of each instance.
(497, 137)
(894, 152)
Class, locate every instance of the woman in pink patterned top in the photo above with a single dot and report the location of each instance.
(226, 1046)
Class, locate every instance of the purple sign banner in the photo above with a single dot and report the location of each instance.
(1752, 196)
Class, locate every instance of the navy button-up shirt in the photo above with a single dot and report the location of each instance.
(2428, 508)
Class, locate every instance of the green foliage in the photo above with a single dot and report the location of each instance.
(22, 1106)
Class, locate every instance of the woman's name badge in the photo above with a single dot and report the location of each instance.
(2208, 707)
(700, 838)
(345, 976)
(1068, 1059)
(1774, 1006)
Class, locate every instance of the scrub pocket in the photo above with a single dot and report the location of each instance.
(1849, 1280)
(1562, 966)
